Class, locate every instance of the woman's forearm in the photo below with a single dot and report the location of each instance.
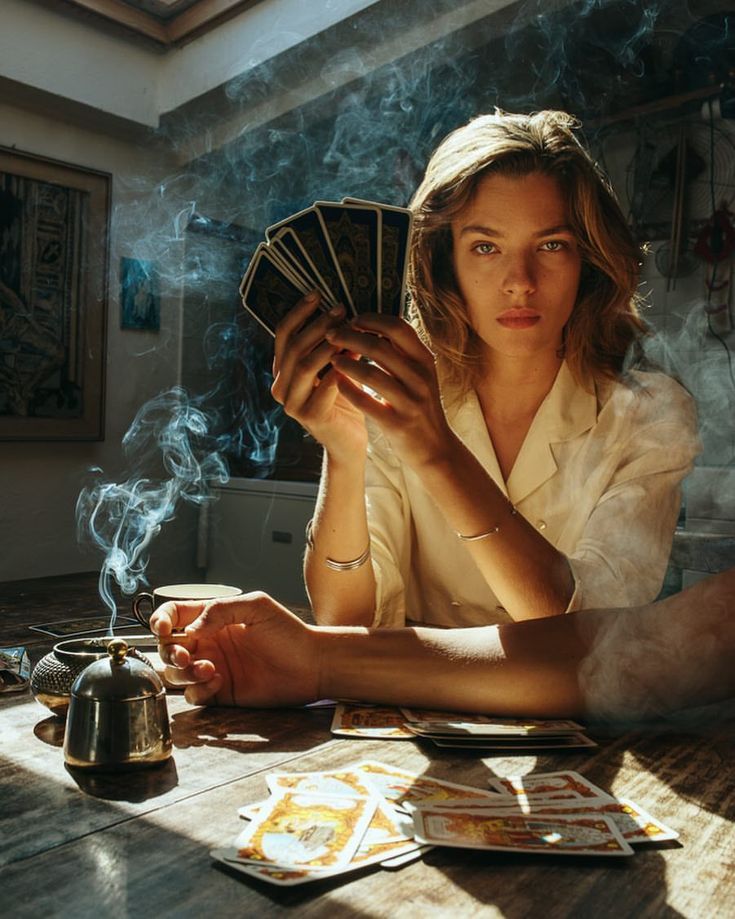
(480, 669)
(340, 533)
(526, 573)
(608, 664)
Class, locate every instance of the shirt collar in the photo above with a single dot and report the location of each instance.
(567, 411)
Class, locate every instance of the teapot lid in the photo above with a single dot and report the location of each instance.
(118, 677)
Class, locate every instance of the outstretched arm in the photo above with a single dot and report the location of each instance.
(629, 663)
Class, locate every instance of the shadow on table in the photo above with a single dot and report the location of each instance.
(243, 730)
(140, 783)
(702, 774)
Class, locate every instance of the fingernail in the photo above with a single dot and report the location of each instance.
(311, 296)
(337, 310)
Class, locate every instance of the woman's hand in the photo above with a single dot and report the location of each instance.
(246, 650)
(307, 386)
(403, 397)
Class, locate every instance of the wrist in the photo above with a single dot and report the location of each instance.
(344, 460)
(334, 646)
(442, 462)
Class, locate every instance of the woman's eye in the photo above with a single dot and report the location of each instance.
(553, 245)
(484, 248)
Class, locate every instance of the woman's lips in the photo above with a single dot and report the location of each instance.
(521, 318)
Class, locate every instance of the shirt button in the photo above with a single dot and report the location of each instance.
(541, 524)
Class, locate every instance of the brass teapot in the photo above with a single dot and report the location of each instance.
(117, 718)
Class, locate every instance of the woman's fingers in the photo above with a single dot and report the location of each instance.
(413, 365)
(246, 609)
(295, 338)
(204, 693)
(293, 321)
(399, 332)
(174, 615)
(176, 654)
(293, 390)
(195, 672)
(395, 389)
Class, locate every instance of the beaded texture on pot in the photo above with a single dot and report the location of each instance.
(53, 675)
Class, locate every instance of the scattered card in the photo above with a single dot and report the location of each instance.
(300, 830)
(552, 785)
(400, 786)
(635, 824)
(332, 782)
(512, 746)
(320, 825)
(484, 829)
(369, 721)
(439, 717)
(509, 728)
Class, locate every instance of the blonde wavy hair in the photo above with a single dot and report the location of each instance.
(605, 323)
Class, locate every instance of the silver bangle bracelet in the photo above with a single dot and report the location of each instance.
(330, 562)
(479, 535)
(495, 529)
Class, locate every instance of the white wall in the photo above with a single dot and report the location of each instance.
(72, 58)
(40, 482)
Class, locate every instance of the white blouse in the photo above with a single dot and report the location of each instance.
(599, 475)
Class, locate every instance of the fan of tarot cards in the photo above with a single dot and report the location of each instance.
(353, 252)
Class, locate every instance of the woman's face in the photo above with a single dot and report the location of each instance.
(517, 264)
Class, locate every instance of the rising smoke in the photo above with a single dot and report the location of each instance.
(122, 519)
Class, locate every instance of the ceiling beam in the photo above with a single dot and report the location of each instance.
(172, 32)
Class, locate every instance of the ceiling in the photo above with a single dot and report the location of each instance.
(163, 9)
(166, 22)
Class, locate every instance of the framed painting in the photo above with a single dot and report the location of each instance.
(54, 232)
(140, 301)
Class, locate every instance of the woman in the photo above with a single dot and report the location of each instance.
(492, 460)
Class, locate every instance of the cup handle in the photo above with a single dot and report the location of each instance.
(140, 615)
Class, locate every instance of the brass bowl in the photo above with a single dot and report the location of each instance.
(53, 675)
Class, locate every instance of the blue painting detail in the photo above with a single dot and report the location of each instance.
(140, 303)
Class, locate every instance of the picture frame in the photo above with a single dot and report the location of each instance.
(54, 267)
(140, 297)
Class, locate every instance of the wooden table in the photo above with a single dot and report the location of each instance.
(138, 844)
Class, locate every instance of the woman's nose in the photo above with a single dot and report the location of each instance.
(520, 277)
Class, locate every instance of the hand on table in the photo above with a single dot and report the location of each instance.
(246, 650)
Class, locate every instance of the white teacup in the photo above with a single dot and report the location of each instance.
(145, 602)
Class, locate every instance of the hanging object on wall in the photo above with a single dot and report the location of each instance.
(716, 240)
(718, 308)
(716, 246)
